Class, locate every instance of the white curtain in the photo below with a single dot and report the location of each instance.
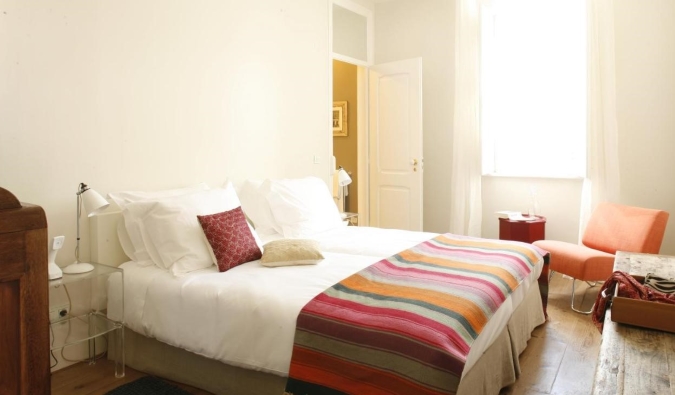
(602, 178)
(465, 200)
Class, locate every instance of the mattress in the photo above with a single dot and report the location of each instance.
(246, 316)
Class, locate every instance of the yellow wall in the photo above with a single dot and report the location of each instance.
(344, 148)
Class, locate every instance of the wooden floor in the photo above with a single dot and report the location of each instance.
(559, 359)
(85, 379)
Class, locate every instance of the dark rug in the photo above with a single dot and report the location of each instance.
(148, 385)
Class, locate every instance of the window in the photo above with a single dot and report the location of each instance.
(533, 88)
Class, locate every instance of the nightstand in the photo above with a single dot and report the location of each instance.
(353, 218)
(89, 320)
(526, 231)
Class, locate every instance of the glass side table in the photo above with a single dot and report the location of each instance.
(91, 321)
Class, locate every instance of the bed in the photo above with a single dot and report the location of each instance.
(180, 327)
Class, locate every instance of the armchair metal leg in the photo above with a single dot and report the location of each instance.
(577, 310)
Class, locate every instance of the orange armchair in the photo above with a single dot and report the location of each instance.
(611, 228)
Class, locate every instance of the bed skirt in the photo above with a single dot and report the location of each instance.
(497, 368)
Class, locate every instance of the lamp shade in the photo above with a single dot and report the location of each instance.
(343, 178)
(94, 203)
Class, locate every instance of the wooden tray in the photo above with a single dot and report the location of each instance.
(652, 315)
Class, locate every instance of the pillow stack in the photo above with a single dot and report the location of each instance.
(165, 229)
(188, 229)
(302, 207)
(130, 231)
(293, 208)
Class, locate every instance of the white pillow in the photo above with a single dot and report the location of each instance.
(253, 196)
(303, 207)
(172, 233)
(122, 199)
(125, 241)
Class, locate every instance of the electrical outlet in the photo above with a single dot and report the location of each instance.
(58, 242)
(58, 313)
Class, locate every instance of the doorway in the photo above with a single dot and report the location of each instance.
(378, 141)
(377, 118)
(346, 132)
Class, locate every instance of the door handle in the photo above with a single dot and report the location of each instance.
(413, 162)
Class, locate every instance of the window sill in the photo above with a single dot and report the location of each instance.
(500, 175)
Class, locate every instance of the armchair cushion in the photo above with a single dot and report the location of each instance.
(578, 261)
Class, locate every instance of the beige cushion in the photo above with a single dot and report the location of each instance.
(287, 252)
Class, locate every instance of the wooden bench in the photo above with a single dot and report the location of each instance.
(635, 360)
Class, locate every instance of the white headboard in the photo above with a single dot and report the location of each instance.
(104, 243)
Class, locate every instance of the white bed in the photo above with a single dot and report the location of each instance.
(242, 322)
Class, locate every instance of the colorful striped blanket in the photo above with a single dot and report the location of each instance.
(405, 324)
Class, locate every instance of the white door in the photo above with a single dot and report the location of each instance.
(395, 114)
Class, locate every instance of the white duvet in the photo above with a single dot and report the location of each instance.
(246, 316)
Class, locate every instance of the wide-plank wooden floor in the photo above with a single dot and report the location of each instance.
(559, 359)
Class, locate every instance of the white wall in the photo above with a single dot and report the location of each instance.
(645, 55)
(154, 94)
(369, 4)
(425, 28)
(350, 33)
(645, 72)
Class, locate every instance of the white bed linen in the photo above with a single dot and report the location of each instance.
(246, 316)
(378, 242)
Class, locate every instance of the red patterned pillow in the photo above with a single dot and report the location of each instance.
(230, 237)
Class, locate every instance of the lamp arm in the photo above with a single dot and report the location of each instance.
(77, 248)
(80, 190)
(92, 203)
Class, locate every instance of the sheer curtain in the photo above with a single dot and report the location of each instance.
(602, 178)
(465, 200)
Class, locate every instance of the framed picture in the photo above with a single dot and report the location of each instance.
(340, 118)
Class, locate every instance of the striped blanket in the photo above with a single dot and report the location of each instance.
(405, 324)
